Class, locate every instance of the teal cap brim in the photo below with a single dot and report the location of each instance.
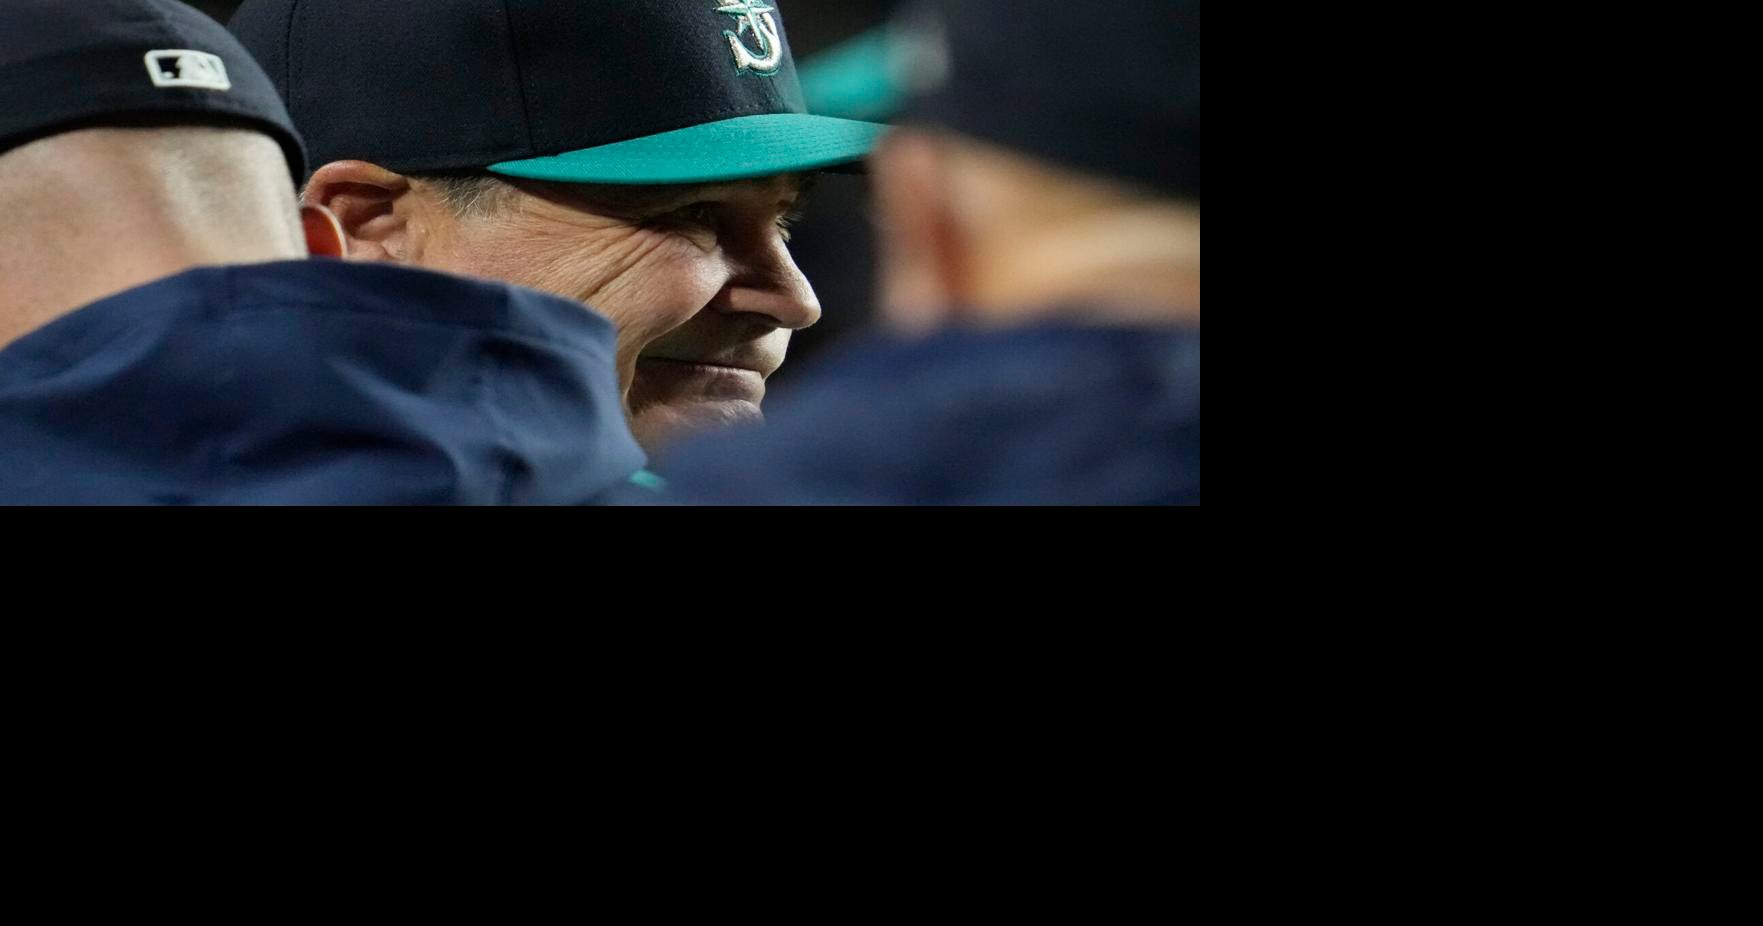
(734, 149)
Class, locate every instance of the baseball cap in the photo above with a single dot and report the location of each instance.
(1111, 89)
(580, 91)
(69, 65)
(856, 78)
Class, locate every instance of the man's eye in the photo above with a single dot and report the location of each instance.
(699, 213)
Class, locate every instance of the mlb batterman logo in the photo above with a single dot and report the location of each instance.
(180, 67)
(755, 17)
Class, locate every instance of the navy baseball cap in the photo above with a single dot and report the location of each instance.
(578, 91)
(70, 65)
(1113, 90)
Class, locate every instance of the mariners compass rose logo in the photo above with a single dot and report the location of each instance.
(755, 17)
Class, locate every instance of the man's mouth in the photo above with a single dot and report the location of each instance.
(709, 365)
(737, 379)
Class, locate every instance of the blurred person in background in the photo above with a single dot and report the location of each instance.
(164, 338)
(1039, 215)
(835, 243)
(643, 158)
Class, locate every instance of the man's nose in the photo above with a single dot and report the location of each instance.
(774, 287)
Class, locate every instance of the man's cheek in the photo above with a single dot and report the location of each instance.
(641, 325)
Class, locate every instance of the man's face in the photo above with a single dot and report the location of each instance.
(698, 279)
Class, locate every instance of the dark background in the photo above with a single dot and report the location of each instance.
(834, 244)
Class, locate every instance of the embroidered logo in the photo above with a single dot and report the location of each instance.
(184, 68)
(755, 17)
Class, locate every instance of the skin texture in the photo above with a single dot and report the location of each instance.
(95, 212)
(983, 236)
(698, 279)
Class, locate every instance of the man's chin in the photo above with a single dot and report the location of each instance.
(671, 400)
(659, 425)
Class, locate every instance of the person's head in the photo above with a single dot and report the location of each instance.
(137, 140)
(95, 211)
(697, 277)
(1050, 164)
(643, 158)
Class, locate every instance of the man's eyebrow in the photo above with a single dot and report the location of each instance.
(637, 198)
(614, 198)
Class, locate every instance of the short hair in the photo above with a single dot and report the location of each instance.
(468, 192)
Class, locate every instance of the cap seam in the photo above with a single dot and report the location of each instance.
(288, 49)
(168, 33)
(519, 76)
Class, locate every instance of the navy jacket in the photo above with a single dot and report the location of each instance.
(1050, 415)
(315, 382)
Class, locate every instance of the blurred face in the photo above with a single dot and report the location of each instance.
(698, 279)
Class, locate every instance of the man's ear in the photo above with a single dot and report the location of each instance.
(366, 200)
(324, 234)
(922, 259)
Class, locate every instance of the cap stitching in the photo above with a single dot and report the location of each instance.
(288, 50)
(167, 30)
(519, 76)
